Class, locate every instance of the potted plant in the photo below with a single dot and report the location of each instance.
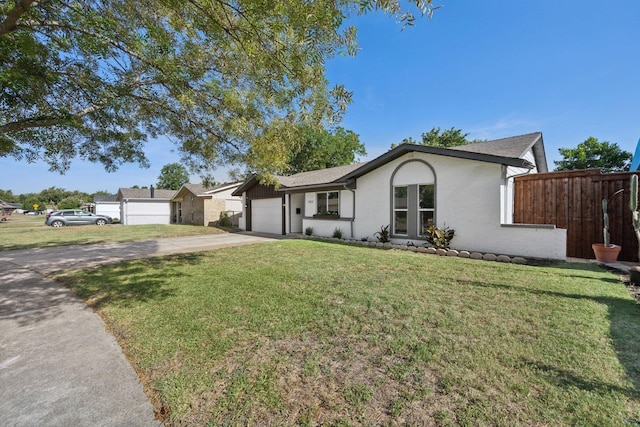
(634, 272)
(606, 252)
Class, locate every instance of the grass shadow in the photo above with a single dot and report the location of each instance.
(624, 327)
(129, 283)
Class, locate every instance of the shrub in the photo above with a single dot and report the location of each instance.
(383, 234)
(337, 233)
(440, 238)
(224, 221)
(308, 231)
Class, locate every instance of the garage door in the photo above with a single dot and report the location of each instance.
(266, 215)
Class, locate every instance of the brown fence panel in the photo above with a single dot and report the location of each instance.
(573, 200)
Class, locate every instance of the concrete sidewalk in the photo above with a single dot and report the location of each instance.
(58, 364)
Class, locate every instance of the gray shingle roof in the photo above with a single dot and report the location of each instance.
(202, 190)
(321, 176)
(515, 147)
(505, 151)
(144, 193)
(105, 198)
(4, 205)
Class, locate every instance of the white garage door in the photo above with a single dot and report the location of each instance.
(266, 215)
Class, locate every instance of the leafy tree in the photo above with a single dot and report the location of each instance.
(70, 203)
(94, 79)
(320, 149)
(436, 138)
(53, 195)
(172, 176)
(594, 154)
(30, 200)
(8, 196)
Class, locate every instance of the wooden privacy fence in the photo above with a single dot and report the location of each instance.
(573, 200)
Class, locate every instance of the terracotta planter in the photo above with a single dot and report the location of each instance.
(606, 254)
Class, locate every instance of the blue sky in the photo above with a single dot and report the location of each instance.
(569, 69)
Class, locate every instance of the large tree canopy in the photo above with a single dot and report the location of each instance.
(320, 149)
(172, 176)
(594, 154)
(223, 80)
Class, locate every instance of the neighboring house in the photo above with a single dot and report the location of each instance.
(144, 205)
(107, 205)
(6, 209)
(467, 188)
(196, 204)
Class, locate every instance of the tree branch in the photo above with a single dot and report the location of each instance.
(10, 23)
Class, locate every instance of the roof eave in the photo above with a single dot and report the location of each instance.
(245, 186)
(324, 186)
(403, 149)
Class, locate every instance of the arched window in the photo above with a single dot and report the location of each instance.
(413, 199)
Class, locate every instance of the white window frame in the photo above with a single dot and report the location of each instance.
(323, 208)
(405, 210)
(422, 232)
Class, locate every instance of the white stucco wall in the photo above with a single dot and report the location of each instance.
(474, 198)
(324, 226)
(145, 211)
(468, 200)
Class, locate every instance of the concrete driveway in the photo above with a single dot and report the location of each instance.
(58, 364)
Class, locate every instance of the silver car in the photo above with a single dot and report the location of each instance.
(76, 217)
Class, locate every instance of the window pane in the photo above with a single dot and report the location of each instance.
(332, 203)
(400, 198)
(400, 222)
(426, 196)
(426, 220)
(322, 203)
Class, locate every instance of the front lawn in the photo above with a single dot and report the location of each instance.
(311, 333)
(30, 231)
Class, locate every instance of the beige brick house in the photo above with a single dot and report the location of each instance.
(196, 204)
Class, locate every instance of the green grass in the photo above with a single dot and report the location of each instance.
(311, 333)
(27, 232)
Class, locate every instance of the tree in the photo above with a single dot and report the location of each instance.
(94, 79)
(320, 149)
(594, 154)
(70, 203)
(435, 138)
(53, 195)
(172, 176)
(8, 196)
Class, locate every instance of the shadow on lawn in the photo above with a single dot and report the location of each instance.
(624, 326)
(127, 284)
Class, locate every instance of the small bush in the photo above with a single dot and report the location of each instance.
(308, 231)
(337, 233)
(440, 238)
(383, 234)
(224, 221)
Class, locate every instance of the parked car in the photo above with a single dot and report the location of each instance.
(76, 217)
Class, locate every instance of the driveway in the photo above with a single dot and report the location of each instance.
(58, 364)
